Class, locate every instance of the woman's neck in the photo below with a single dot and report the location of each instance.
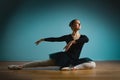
(76, 35)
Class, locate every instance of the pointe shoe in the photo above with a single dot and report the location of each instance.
(65, 69)
(15, 67)
(68, 69)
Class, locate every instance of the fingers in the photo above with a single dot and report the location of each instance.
(37, 42)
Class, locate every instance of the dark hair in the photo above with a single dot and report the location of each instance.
(71, 23)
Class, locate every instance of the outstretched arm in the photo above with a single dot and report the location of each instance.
(53, 39)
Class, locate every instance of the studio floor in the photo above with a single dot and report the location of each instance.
(105, 70)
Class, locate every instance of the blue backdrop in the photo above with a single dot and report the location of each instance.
(31, 20)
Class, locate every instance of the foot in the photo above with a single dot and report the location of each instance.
(68, 69)
(15, 67)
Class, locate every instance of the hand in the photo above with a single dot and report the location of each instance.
(67, 47)
(39, 41)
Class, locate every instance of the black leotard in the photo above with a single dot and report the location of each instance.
(70, 57)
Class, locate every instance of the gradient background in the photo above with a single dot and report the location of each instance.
(22, 22)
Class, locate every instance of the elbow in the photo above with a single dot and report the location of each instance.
(86, 40)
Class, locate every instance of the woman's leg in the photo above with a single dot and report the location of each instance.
(32, 64)
(39, 64)
(86, 65)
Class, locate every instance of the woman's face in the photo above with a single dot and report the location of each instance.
(76, 25)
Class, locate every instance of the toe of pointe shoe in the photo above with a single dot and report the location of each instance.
(14, 67)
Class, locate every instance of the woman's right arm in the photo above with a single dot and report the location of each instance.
(39, 41)
(52, 39)
(56, 39)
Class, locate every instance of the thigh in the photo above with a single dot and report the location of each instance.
(49, 62)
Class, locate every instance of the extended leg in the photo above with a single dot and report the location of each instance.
(32, 64)
(39, 64)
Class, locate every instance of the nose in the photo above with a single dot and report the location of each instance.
(76, 25)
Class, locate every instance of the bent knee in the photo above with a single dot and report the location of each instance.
(93, 65)
(90, 65)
